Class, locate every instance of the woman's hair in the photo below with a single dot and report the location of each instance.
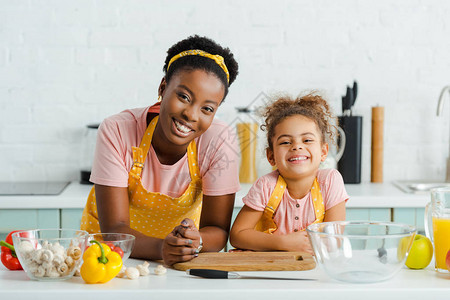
(192, 62)
(311, 106)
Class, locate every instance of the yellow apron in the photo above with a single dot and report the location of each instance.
(266, 223)
(153, 214)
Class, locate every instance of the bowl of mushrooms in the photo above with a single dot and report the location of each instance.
(50, 254)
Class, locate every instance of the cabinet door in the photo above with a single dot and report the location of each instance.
(411, 216)
(368, 214)
(14, 219)
(71, 218)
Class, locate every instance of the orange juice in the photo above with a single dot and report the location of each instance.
(248, 144)
(441, 238)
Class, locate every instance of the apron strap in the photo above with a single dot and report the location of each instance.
(266, 223)
(140, 153)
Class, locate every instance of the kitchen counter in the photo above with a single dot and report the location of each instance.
(364, 195)
(407, 284)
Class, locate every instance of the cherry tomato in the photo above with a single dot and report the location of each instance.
(119, 251)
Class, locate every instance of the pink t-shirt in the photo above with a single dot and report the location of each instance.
(332, 189)
(218, 157)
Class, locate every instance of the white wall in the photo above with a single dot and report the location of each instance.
(64, 64)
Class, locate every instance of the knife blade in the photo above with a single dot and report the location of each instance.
(219, 274)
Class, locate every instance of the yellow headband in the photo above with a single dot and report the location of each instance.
(217, 58)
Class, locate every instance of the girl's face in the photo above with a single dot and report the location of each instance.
(189, 103)
(297, 149)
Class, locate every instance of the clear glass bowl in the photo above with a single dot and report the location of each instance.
(361, 252)
(50, 254)
(122, 240)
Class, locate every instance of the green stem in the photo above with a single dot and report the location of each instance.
(10, 247)
(102, 259)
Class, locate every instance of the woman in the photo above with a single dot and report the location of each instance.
(168, 173)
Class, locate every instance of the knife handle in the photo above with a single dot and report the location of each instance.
(206, 273)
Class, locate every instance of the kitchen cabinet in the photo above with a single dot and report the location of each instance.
(412, 216)
(71, 218)
(13, 219)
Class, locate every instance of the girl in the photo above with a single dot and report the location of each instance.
(156, 168)
(281, 204)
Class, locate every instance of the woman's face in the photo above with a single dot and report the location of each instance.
(297, 149)
(189, 103)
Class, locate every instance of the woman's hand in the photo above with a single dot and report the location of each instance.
(181, 244)
(297, 241)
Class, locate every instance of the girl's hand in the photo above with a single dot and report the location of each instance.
(181, 244)
(297, 241)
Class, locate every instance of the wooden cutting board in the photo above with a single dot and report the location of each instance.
(250, 261)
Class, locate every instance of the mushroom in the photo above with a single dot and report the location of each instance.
(143, 269)
(160, 270)
(132, 273)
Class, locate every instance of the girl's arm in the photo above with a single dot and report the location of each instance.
(336, 213)
(114, 216)
(244, 236)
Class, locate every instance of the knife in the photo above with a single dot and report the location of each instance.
(219, 274)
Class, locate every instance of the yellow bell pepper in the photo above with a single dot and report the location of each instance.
(100, 264)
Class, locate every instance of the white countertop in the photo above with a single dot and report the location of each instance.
(407, 284)
(364, 195)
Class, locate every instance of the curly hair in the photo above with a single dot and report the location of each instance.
(311, 106)
(192, 62)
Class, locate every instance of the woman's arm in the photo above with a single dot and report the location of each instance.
(215, 221)
(113, 214)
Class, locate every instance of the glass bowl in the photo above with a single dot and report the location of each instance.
(361, 252)
(123, 243)
(50, 254)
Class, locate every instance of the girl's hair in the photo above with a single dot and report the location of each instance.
(311, 106)
(193, 62)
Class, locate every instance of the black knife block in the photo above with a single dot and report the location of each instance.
(350, 163)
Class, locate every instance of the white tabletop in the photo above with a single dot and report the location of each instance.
(407, 284)
(364, 195)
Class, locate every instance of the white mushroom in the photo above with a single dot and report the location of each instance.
(69, 261)
(25, 247)
(32, 265)
(47, 256)
(143, 269)
(121, 274)
(37, 255)
(160, 270)
(58, 259)
(40, 272)
(51, 272)
(74, 252)
(57, 249)
(77, 272)
(62, 269)
(45, 245)
(132, 273)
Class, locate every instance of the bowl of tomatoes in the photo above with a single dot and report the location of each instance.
(121, 243)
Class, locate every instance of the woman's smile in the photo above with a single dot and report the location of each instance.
(181, 128)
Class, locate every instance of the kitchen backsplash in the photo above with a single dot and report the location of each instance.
(66, 64)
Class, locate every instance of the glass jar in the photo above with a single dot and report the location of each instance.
(247, 132)
(87, 155)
